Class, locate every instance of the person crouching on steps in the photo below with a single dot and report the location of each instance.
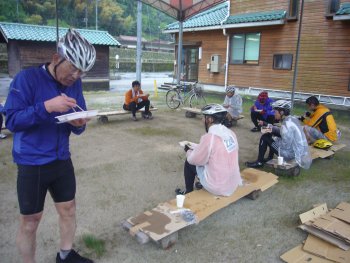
(135, 100)
(215, 159)
(289, 141)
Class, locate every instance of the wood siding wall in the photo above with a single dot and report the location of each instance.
(25, 54)
(324, 60)
(213, 43)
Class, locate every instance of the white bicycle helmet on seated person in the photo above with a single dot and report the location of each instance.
(230, 89)
(77, 50)
(216, 111)
(282, 105)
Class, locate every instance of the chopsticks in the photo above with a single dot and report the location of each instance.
(63, 94)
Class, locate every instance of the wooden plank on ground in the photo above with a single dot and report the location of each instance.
(121, 112)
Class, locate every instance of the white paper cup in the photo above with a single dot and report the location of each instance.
(180, 199)
(280, 160)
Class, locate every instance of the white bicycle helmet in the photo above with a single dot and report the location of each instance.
(284, 105)
(230, 89)
(217, 111)
(77, 50)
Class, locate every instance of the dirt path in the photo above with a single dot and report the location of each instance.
(125, 167)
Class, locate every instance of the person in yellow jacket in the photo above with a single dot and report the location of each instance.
(135, 99)
(319, 122)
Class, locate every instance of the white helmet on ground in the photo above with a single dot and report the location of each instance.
(77, 50)
(230, 89)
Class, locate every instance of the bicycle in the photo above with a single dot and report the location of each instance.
(195, 96)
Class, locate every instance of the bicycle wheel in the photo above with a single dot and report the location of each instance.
(172, 99)
(197, 101)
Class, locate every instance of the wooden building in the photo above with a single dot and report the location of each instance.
(253, 44)
(33, 45)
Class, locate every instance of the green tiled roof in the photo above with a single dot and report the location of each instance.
(210, 17)
(344, 9)
(15, 31)
(256, 17)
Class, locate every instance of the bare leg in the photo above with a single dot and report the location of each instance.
(67, 223)
(26, 236)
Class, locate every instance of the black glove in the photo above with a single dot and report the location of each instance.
(301, 118)
(186, 148)
(307, 114)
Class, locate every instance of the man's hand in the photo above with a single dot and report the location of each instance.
(79, 122)
(59, 104)
(262, 112)
(225, 106)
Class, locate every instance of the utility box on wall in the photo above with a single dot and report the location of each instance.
(214, 63)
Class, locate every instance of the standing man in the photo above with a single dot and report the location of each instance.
(215, 159)
(319, 122)
(262, 111)
(41, 146)
(135, 99)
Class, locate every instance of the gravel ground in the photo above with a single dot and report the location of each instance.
(126, 167)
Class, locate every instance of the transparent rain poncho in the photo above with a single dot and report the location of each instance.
(293, 143)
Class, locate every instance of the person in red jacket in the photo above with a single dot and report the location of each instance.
(135, 99)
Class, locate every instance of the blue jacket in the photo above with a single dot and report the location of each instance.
(266, 107)
(38, 139)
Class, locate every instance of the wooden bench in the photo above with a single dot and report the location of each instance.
(162, 223)
(193, 112)
(103, 115)
(292, 168)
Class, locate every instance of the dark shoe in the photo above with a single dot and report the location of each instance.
(255, 129)
(254, 164)
(134, 118)
(178, 191)
(198, 185)
(73, 257)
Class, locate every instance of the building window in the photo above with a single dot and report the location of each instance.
(282, 61)
(293, 11)
(333, 7)
(245, 48)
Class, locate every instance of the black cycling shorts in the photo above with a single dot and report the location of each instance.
(33, 181)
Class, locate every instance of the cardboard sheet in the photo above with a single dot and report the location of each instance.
(319, 153)
(326, 250)
(313, 213)
(298, 255)
(325, 236)
(334, 226)
(161, 221)
(342, 212)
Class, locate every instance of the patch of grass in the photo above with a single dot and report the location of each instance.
(320, 170)
(153, 131)
(94, 244)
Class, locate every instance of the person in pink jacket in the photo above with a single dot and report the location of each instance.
(215, 159)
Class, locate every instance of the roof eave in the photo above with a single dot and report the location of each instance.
(341, 17)
(255, 24)
(238, 25)
(4, 35)
(192, 29)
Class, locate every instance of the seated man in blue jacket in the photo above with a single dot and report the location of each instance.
(41, 145)
(262, 111)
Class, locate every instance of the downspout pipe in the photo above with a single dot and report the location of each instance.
(227, 44)
(297, 55)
